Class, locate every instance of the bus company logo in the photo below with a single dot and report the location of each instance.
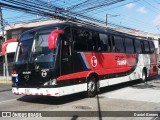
(121, 62)
(44, 73)
(94, 61)
(26, 72)
(26, 77)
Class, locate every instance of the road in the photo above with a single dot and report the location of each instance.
(132, 96)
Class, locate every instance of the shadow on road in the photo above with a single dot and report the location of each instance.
(134, 84)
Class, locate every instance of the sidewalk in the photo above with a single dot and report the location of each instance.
(5, 81)
(5, 85)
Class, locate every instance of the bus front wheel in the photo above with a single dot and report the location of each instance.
(91, 87)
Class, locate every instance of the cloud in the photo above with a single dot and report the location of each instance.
(130, 5)
(156, 20)
(142, 10)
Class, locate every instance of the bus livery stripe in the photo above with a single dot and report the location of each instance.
(84, 61)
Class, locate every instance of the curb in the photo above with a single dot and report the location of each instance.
(5, 82)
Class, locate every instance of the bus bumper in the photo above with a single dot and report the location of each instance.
(57, 92)
(36, 91)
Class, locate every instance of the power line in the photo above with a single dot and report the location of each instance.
(40, 7)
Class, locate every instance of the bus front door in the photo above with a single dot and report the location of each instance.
(66, 59)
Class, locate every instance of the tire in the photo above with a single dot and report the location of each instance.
(91, 87)
(144, 76)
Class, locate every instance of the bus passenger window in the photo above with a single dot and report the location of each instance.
(103, 42)
(91, 41)
(137, 44)
(152, 48)
(79, 40)
(119, 47)
(111, 38)
(142, 46)
(146, 46)
(129, 45)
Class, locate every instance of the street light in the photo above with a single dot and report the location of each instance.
(109, 15)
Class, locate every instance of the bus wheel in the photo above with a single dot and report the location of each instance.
(91, 87)
(144, 76)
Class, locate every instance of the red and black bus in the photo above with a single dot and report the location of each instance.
(66, 58)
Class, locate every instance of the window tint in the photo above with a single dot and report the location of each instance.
(118, 44)
(103, 42)
(80, 40)
(151, 44)
(92, 41)
(129, 45)
(138, 48)
(142, 46)
(146, 47)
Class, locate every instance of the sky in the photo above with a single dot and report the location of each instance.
(141, 15)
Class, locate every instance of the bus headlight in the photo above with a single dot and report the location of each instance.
(51, 82)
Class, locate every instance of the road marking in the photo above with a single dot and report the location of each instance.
(7, 100)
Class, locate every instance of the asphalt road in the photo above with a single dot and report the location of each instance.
(133, 97)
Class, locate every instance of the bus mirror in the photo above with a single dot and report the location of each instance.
(52, 38)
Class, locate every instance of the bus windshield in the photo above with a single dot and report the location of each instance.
(33, 49)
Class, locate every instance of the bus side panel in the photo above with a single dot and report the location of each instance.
(153, 65)
(111, 63)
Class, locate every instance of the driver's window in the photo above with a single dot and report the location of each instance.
(66, 40)
(65, 49)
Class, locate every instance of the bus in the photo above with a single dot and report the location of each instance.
(66, 58)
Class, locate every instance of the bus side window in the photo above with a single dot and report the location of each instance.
(113, 43)
(91, 41)
(119, 46)
(79, 40)
(146, 46)
(137, 44)
(103, 42)
(142, 46)
(152, 48)
(129, 45)
(110, 47)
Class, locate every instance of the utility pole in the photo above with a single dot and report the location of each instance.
(5, 61)
(106, 20)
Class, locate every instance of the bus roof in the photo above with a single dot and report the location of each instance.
(84, 26)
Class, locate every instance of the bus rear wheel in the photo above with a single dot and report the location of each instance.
(91, 87)
(144, 76)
